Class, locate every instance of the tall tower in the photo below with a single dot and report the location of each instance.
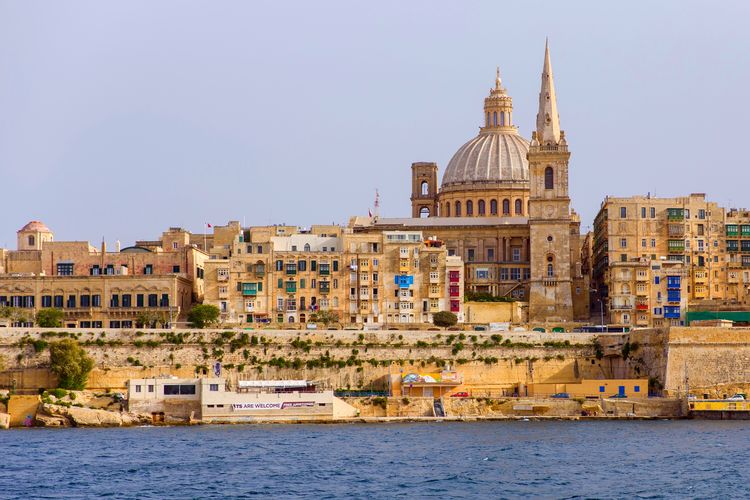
(424, 185)
(550, 296)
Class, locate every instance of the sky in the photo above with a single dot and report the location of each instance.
(121, 119)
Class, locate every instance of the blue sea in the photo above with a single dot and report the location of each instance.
(551, 459)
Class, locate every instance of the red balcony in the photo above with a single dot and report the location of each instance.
(641, 307)
(454, 276)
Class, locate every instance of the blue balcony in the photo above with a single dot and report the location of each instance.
(672, 312)
(673, 282)
(403, 280)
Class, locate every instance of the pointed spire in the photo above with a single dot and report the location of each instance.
(547, 119)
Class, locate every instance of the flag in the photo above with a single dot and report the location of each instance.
(208, 225)
(369, 213)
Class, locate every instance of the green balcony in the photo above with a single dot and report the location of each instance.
(675, 214)
(291, 287)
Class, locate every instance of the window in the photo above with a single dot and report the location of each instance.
(506, 207)
(550, 271)
(85, 300)
(46, 300)
(137, 388)
(480, 207)
(470, 255)
(469, 207)
(519, 207)
(150, 387)
(653, 212)
(549, 178)
(126, 300)
(65, 269)
(643, 243)
(623, 212)
(139, 300)
(213, 387)
(96, 301)
(149, 269)
(623, 242)
(516, 254)
(515, 273)
(31, 240)
(653, 243)
(493, 207)
(178, 390)
(643, 212)
(458, 209)
(490, 254)
(425, 188)
(701, 214)
(152, 300)
(447, 209)
(175, 269)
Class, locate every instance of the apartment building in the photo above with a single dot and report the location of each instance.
(686, 229)
(156, 282)
(647, 293)
(287, 275)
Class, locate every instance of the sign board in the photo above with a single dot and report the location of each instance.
(276, 405)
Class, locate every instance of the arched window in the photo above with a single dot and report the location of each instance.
(480, 207)
(488, 118)
(448, 209)
(31, 240)
(469, 207)
(291, 319)
(519, 207)
(550, 271)
(494, 118)
(457, 211)
(424, 212)
(493, 207)
(307, 247)
(549, 178)
(502, 118)
(425, 188)
(506, 207)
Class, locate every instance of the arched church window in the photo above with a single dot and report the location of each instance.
(307, 247)
(480, 207)
(549, 178)
(550, 271)
(424, 212)
(469, 207)
(425, 188)
(506, 207)
(488, 118)
(519, 207)
(448, 209)
(494, 118)
(502, 118)
(457, 211)
(493, 207)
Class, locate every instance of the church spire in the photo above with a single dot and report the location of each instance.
(547, 119)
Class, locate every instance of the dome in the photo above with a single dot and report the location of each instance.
(491, 157)
(36, 226)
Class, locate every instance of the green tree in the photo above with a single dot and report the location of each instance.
(202, 315)
(444, 318)
(70, 363)
(326, 317)
(49, 318)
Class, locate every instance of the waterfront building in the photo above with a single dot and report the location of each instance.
(287, 275)
(706, 238)
(154, 282)
(503, 207)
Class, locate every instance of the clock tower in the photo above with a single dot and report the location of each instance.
(550, 220)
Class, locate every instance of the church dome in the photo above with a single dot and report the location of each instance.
(35, 225)
(489, 158)
(497, 154)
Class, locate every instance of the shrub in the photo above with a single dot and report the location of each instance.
(70, 363)
(49, 318)
(444, 319)
(202, 315)
(59, 393)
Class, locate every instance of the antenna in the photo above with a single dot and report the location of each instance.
(376, 213)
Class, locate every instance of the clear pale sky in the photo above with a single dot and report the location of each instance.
(120, 119)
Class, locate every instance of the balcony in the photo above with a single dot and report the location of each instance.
(222, 276)
(676, 246)
(291, 287)
(641, 307)
(454, 276)
(641, 321)
(455, 292)
(675, 214)
(641, 277)
(404, 268)
(676, 230)
(433, 294)
(223, 294)
(641, 292)
(434, 278)
(621, 307)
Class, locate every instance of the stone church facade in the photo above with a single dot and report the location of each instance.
(503, 205)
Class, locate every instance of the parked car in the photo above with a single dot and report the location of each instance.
(460, 395)
(736, 397)
(561, 395)
(618, 396)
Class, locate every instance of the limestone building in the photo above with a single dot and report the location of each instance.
(287, 275)
(503, 207)
(98, 288)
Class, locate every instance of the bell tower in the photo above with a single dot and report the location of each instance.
(550, 294)
(424, 189)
